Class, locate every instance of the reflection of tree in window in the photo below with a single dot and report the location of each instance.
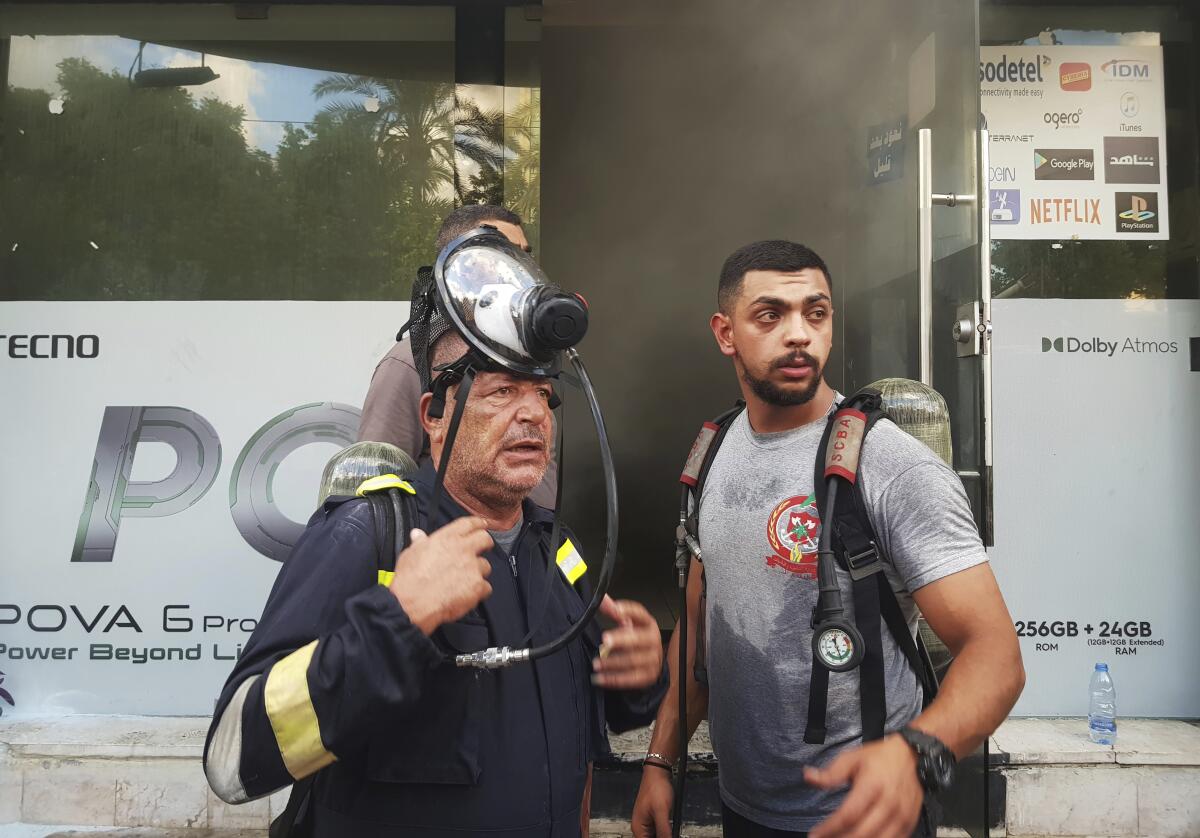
(180, 206)
(1079, 269)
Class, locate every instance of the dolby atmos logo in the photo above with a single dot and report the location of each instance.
(1109, 348)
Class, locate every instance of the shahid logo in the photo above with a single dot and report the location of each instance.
(1131, 160)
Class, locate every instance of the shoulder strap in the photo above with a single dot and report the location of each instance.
(700, 459)
(393, 514)
(695, 472)
(858, 552)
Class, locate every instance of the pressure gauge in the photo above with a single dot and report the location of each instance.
(838, 646)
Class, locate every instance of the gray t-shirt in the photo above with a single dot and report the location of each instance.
(505, 539)
(759, 530)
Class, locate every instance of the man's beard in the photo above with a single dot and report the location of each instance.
(772, 393)
(475, 467)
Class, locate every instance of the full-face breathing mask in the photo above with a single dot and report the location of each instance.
(512, 319)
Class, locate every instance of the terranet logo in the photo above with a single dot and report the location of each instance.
(1012, 138)
(1125, 69)
(1013, 72)
(1131, 160)
(1137, 212)
(1063, 164)
(1075, 76)
(1108, 348)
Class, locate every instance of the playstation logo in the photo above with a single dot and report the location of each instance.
(1056, 344)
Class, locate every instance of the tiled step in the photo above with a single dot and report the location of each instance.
(115, 771)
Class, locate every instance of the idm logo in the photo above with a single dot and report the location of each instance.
(1056, 344)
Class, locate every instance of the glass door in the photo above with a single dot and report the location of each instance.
(677, 132)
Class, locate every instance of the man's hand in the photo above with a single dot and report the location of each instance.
(885, 796)
(631, 654)
(652, 809)
(442, 576)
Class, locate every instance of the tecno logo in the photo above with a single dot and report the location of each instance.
(1108, 348)
(52, 346)
(1063, 120)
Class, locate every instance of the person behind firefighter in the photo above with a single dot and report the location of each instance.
(391, 412)
(782, 772)
(350, 675)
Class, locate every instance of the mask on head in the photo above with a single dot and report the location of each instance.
(502, 304)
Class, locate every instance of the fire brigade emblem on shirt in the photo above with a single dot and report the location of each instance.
(793, 529)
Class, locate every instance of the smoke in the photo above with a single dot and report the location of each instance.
(675, 133)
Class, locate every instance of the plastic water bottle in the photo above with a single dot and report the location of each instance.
(1102, 707)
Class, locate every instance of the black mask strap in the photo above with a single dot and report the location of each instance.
(460, 402)
(420, 307)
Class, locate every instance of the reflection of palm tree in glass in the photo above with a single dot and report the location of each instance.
(413, 126)
(523, 158)
(422, 130)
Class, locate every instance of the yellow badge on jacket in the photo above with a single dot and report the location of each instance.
(570, 562)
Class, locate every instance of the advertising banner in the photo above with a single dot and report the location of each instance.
(1078, 142)
(1096, 498)
(160, 458)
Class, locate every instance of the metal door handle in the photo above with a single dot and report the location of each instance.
(973, 331)
(927, 199)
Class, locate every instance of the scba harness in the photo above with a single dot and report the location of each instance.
(847, 541)
(394, 514)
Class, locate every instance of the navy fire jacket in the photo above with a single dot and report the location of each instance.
(336, 679)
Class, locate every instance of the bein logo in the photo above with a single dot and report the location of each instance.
(111, 496)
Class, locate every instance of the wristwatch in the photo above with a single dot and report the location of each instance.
(935, 762)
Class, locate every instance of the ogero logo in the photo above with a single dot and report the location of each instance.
(1075, 76)
(52, 346)
(1109, 348)
(1063, 119)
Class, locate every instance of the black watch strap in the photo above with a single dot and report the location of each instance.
(935, 761)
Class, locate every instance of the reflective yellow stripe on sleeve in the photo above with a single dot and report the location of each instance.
(293, 718)
(570, 562)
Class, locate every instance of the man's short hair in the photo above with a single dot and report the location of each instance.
(469, 216)
(769, 255)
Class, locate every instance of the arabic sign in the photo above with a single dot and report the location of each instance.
(885, 151)
(1078, 145)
